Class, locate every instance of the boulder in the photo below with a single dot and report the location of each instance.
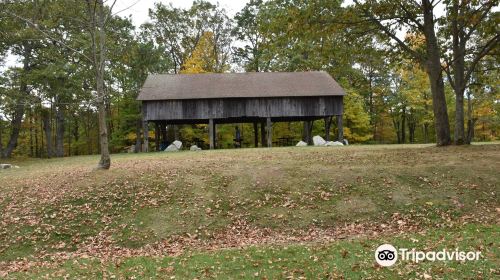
(5, 166)
(318, 141)
(171, 148)
(301, 144)
(332, 143)
(195, 148)
(178, 144)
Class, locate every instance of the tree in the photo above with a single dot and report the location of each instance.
(409, 102)
(483, 108)
(356, 119)
(202, 59)
(135, 59)
(98, 15)
(21, 39)
(472, 27)
(179, 31)
(247, 30)
(419, 18)
(168, 28)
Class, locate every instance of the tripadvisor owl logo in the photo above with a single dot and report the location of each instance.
(386, 255)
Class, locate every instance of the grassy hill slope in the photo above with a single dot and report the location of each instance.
(252, 213)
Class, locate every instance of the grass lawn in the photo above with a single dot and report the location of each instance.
(281, 213)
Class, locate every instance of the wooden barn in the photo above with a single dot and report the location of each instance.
(259, 98)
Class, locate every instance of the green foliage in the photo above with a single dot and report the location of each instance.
(247, 30)
(179, 32)
(356, 119)
(388, 94)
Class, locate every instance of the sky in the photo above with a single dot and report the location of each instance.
(138, 9)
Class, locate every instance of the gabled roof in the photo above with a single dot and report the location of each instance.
(239, 85)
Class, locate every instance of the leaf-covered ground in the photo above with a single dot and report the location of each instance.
(314, 212)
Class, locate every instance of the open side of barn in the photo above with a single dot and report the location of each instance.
(258, 98)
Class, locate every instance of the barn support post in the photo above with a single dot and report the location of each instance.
(211, 133)
(269, 132)
(304, 131)
(340, 128)
(328, 124)
(308, 125)
(157, 136)
(145, 133)
(170, 133)
(163, 131)
(263, 134)
(176, 132)
(256, 134)
(309, 133)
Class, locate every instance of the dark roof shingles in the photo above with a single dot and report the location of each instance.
(239, 85)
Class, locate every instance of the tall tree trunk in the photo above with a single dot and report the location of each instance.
(37, 151)
(459, 73)
(69, 143)
(426, 133)
(47, 128)
(459, 135)
(412, 125)
(32, 149)
(76, 134)
(17, 119)
(99, 55)
(470, 120)
(403, 124)
(41, 136)
(16, 127)
(397, 129)
(138, 135)
(59, 131)
(1, 137)
(433, 68)
(88, 126)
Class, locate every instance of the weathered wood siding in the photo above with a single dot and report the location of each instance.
(203, 109)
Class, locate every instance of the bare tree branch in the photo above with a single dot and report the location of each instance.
(389, 33)
(493, 42)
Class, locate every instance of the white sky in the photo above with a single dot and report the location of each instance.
(139, 8)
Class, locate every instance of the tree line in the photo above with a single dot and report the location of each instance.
(415, 71)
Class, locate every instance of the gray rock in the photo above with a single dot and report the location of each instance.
(301, 144)
(195, 148)
(5, 166)
(178, 144)
(171, 148)
(332, 143)
(318, 141)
